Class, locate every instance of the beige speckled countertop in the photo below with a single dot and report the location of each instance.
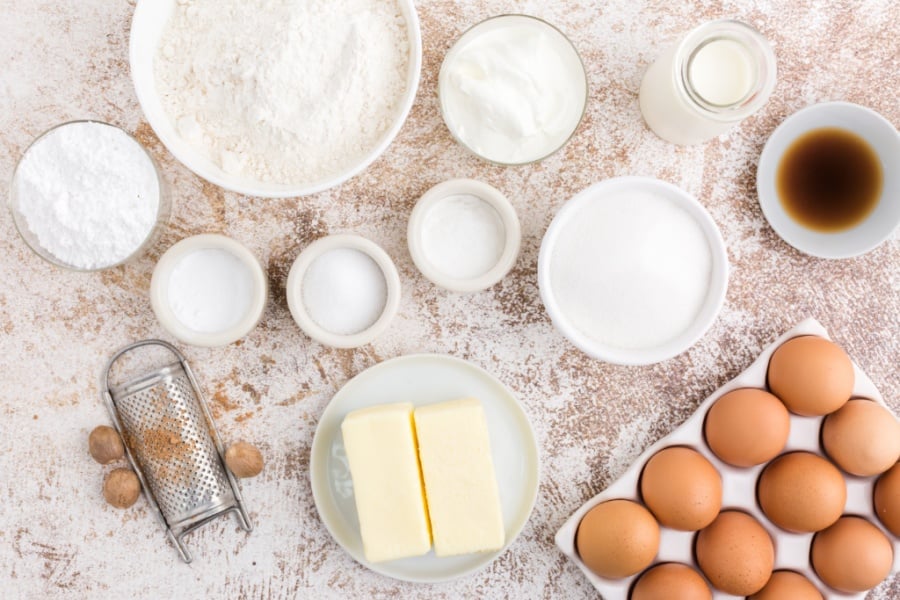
(68, 60)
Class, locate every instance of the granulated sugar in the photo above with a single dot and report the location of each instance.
(283, 92)
(631, 271)
(89, 193)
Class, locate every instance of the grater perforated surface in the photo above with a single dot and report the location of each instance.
(165, 430)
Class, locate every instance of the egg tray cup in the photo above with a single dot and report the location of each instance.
(792, 550)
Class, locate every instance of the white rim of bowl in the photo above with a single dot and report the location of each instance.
(159, 290)
(294, 290)
(455, 49)
(715, 297)
(148, 99)
(821, 115)
(491, 196)
(163, 207)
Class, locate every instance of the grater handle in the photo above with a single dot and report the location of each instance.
(152, 342)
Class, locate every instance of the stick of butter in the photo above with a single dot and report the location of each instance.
(460, 486)
(387, 483)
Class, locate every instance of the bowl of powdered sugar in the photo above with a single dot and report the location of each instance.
(87, 196)
(276, 99)
(633, 270)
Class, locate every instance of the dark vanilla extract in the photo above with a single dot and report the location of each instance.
(829, 180)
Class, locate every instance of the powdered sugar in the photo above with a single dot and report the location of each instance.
(89, 193)
(283, 91)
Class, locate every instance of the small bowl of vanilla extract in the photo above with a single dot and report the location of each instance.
(829, 180)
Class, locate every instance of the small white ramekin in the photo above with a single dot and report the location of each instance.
(715, 295)
(487, 193)
(294, 289)
(159, 290)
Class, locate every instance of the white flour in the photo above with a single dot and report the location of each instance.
(283, 91)
(89, 194)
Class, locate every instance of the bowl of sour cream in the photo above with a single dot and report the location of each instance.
(512, 89)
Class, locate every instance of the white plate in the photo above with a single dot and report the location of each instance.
(425, 379)
(884, 139)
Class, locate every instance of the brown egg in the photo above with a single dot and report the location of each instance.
(802, 492)
(811, 375)
(747, 427)
(671, 581)
(862, 437)
(887, 499)
(736, 553)
(617, 539)
(787, 585)
(852, 555)
(681, 488)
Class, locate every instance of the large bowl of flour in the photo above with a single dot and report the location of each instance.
(276, 99)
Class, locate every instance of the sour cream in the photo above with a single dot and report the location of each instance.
(512, 89)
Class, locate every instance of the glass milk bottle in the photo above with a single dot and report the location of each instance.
(718, 75)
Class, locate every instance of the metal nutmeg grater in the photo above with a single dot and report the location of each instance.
(173, 446)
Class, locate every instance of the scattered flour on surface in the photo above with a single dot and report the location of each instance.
(89, 193)
(283, 91)
(633, 438)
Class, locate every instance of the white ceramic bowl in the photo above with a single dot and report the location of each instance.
(159, 290)
(715, 295)
(880, 135)
(490, 195)
(147, 26)
(294, 289)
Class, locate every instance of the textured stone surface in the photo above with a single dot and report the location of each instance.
(68, 60)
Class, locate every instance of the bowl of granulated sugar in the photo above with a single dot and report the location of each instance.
(276, 99)
(87, 196)
(633, 270)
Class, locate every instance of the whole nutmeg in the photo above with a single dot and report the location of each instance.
(244, 460)
(121, 488)
(105, 445)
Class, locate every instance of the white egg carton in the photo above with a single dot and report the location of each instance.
(792, 550)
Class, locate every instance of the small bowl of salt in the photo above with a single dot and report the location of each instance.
(343, 290)
(633, 270)
(208, 290)
(464, 235)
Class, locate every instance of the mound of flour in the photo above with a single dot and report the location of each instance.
(283, 91)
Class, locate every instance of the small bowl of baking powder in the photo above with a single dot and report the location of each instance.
(276, 99)
(464, 235)
(343, 290)
(208, 290)
(633, 270)
(87, 196)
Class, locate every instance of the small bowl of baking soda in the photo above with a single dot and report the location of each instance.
(343, 290)
(464, 235)
(633, 270)
(208, 290)
(87, 196)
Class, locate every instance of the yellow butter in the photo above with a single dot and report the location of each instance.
(460, 484)
(381, 450)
